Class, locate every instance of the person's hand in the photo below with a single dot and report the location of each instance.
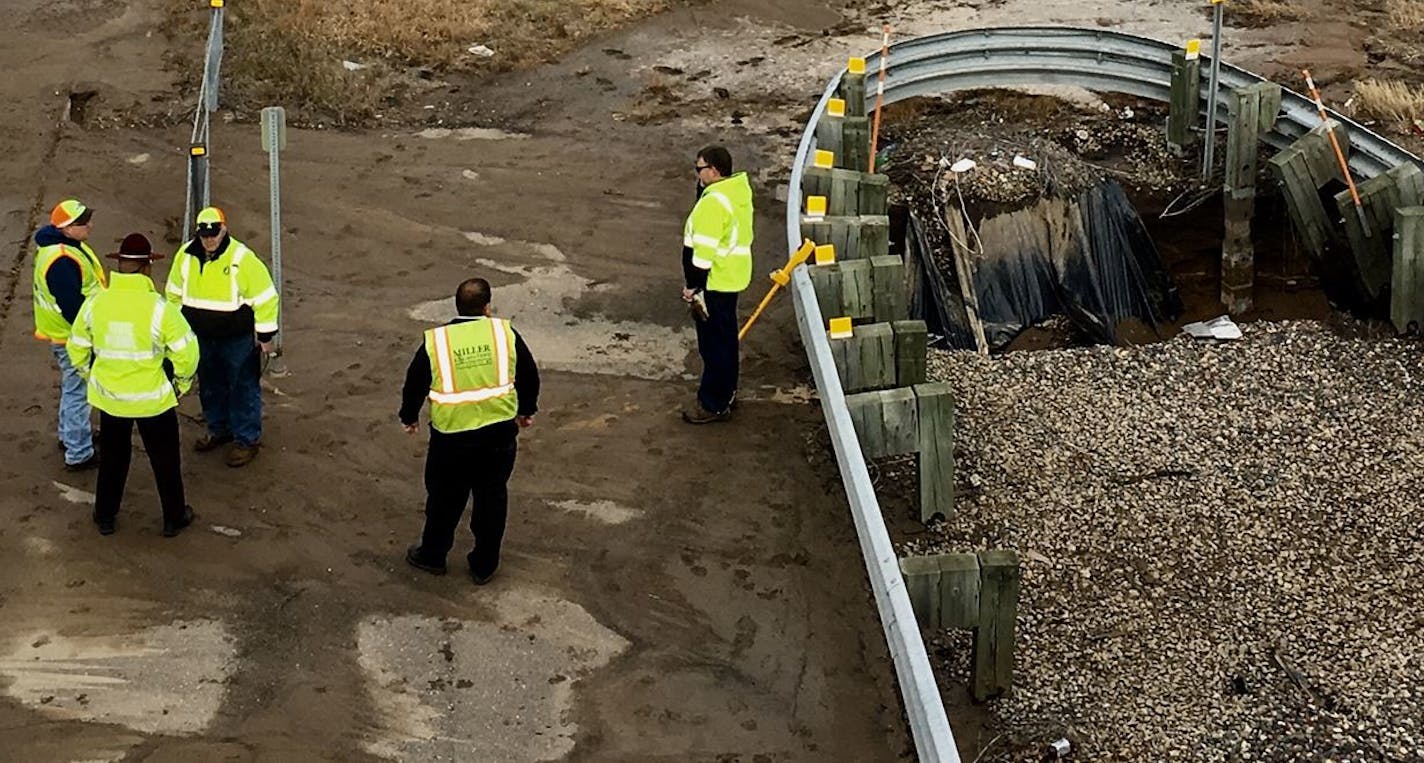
(524, 421)
(411, 428)
(687, 294)
(181, 385)
(266, 347)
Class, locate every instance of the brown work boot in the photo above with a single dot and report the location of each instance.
(211, 442)
(696, 414)
(241, 455)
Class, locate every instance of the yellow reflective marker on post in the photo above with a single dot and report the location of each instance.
(815, 207)
(198, 150)
(824, 159)
(1193, 50)
(841, 328)
(835, 107)
(826, 254)
(215, 3)
(856, 65)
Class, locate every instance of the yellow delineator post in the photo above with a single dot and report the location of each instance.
(815, 208)
(840, 328)
(779, 278)
(826, 254)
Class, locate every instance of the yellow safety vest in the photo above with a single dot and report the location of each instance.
(719, 230)
(236, 277)
(120, 340)
(471, 374)
(50, 324)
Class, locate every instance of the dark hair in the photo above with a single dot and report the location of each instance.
(472, 297)
(719, 158)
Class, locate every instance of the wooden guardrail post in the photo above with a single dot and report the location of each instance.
(865, 360)
(1303, 168)
(977, 591)
(853, 88)
(1253, 112)
(830, 130)
(993, 662)
(874, 193)
(1380, 196)
(1407, 296)
(944, 589)
(887, 282)
(936, 446)
(911, 348)
(1185, 112)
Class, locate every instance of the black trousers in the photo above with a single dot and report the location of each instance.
(718, 346)
(160, 439)
(455, 470)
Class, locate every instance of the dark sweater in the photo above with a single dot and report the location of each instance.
(526, 388)
(64, 278)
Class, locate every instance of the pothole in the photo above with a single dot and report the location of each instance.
(168, 679)
(497, 689)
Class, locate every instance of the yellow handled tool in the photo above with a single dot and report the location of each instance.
(779, 279)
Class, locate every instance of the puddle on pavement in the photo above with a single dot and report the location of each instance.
(559, 340)
(606, 512)
(73, 494)
(470, 133)
(450, 689)
(164, 680)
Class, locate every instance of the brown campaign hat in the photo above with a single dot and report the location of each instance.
(136, 247)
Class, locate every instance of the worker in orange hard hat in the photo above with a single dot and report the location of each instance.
(67, 272)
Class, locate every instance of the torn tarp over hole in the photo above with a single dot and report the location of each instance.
(1090, 259)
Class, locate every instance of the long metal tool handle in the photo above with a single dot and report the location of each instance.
(1339, 154)
(879, 92)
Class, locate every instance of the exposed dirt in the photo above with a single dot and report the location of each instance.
(720, 570)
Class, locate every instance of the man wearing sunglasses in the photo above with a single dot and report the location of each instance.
(228, 298)
(717, 266)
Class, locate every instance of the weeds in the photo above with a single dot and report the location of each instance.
(1390, 101)
(291, 51)
(1258, 13)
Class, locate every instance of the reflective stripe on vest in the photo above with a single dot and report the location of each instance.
(234, 301)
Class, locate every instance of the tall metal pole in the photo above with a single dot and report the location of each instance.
(1209, 152)
(274, 139)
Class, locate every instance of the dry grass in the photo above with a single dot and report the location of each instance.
(1256, 13)
(1406, 15)
(1398, 103)
(290, 51)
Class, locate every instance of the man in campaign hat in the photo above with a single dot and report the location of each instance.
(122, 340)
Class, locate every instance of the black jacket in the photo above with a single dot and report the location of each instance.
(526, 388)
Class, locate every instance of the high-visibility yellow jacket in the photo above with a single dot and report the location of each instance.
(228, 295)
(471, 374)
(50, 322)
(719, 230)
(120, 340)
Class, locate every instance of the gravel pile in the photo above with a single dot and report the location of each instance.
(1222, 547)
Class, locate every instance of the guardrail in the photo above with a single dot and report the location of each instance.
(1094, 59)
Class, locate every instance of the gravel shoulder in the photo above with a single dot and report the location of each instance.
(1196, 522)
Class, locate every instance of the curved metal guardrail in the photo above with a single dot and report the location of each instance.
(1095, 59)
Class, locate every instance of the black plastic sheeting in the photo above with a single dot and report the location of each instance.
(1099, 269)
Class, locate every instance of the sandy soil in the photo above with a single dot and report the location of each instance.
(681, 594)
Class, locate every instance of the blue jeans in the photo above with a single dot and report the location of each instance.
(74, 430)
(230, 389)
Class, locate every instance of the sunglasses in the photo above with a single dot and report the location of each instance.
(214, 233)
(701, 167)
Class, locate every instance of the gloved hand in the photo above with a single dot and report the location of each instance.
(697, 306)
(182, 384)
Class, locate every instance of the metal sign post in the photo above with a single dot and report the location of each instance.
(274, 139)
(1209, 150)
